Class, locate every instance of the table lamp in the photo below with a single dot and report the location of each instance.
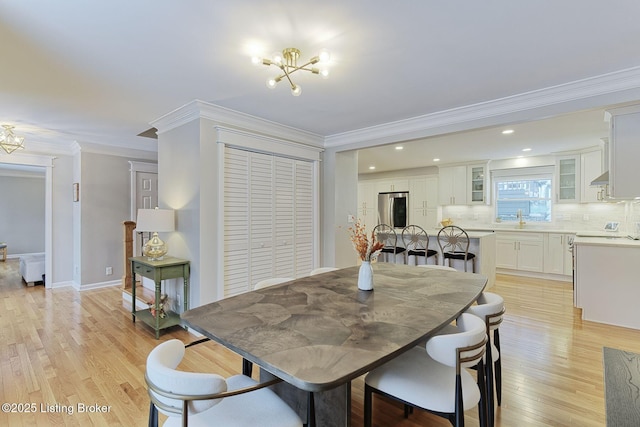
(154, 221)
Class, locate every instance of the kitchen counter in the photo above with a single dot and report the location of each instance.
(616, 241)
(606, 280)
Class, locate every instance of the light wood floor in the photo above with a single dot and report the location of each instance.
(62, 349)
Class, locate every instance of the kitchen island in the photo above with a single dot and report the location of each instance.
(607, 284)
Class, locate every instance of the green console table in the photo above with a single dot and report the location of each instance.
(167, 268)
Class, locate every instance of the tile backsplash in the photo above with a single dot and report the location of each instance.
(570, 216)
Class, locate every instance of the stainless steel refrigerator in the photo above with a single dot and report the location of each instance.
(393, 209)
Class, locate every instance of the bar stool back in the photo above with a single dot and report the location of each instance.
(388, 236)
(454, 244)
(416, 242)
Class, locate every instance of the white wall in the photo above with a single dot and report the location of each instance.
(22, 213)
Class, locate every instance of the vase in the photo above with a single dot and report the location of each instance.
(365, 276)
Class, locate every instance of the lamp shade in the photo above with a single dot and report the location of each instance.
(155, 220)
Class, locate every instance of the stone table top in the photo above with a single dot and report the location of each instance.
(319, 332)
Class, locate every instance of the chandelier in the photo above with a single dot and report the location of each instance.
(8, 141)
(287, 61)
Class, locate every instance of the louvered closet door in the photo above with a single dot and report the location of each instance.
(284, 224)
(261, 218)
(268, 217)
(303, 217)
(236, 219)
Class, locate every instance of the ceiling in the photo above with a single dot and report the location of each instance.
(101, 72)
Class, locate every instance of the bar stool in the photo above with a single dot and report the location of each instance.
(454, 244)
(416, 241)
(388, 236)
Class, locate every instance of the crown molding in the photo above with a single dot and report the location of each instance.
(425, 125)
(226, 117)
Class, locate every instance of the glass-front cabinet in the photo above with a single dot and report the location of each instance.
(567, 179)
(477, 184)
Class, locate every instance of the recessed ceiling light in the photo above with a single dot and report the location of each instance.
(507, 131)
(526, 149)
(399, 147)
(436, 160)
(372, 168)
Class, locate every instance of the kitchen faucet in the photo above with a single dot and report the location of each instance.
(521, 223)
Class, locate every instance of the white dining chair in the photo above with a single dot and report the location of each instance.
(270, 282)
(434, 377)
(490, 307)
(321, 270)
(204, 399)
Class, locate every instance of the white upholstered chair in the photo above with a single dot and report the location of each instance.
(204, 399)
(434, 378)
(270, 282)
(321, 270)
(490, 308)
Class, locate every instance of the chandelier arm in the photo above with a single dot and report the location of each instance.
(286, 74)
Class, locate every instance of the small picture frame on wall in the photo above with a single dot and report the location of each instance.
(76, 191)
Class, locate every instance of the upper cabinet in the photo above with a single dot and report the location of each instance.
(452, 185)
(392, 185)
(624, 152)
(477, 189)
(463, 185)
(568, 179)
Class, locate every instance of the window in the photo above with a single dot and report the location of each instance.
(529, 195)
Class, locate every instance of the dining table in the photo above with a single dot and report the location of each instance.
(318, 333)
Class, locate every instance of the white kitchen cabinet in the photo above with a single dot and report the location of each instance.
(568, 179)
(477, 184)
(368, 203)
(557, 256)
(624, 152)
(520, 251)
(393, 185)
(423, 201)
(452, 185)
(590, 169)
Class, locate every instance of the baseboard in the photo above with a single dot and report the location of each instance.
(547, 276)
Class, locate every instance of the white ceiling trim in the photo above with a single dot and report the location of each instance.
(265, 144)
(423, 126)
(200, 109)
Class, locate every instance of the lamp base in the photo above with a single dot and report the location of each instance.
(154, 249)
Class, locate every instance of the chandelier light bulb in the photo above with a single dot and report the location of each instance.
(277, 58)
(255, 60)
(324, 55)
(271, 83)
(324, 73)
(296, 90)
